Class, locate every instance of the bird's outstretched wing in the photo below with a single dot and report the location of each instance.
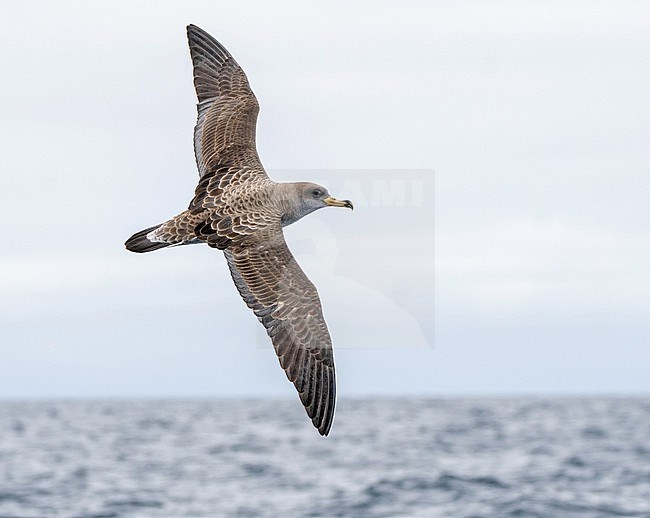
(227, 110)
(286, 302)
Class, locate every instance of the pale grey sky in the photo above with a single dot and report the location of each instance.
(534, 117)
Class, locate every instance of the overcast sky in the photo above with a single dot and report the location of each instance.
(533, 119)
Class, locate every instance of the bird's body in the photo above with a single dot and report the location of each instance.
(238, 209)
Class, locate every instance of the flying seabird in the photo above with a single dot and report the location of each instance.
(238, 209)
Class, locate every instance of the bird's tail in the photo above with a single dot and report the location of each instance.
(177, 231)
(140, 243)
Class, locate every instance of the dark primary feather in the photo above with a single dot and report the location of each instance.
(227, 109)
(286, 302)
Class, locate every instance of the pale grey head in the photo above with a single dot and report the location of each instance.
(304, 198)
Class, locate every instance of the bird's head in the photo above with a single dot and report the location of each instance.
(317, 196)
(308, 197)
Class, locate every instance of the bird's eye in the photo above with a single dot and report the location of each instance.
(316, 193)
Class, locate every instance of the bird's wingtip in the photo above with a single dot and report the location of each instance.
(193, 29)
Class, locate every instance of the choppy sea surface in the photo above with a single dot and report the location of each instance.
(398, 457)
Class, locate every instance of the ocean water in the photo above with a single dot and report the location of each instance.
(398, 457)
